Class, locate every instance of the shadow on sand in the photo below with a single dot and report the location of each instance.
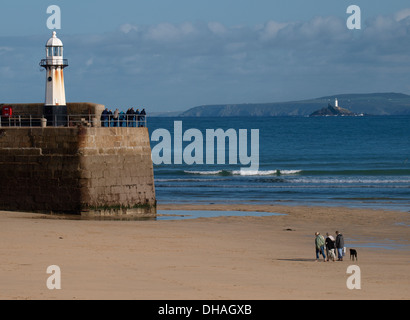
(298, 260)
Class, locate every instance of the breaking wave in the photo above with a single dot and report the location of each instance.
(244, 172)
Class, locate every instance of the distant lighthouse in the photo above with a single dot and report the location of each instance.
(55, 108)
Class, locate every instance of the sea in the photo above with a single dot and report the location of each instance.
(360, 162)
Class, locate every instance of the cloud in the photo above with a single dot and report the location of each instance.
(89, 62)
(217, 28)
(4, 50)
(126, 28)
(271, 29)
(403, 14)
(167, 32)
(181, 65)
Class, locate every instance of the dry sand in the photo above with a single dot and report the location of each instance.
(208, 258)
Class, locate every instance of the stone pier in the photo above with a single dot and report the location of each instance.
(77, 170)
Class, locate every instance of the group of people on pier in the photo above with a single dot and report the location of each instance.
(131, 119)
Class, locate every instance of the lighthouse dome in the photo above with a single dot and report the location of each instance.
(54, 41)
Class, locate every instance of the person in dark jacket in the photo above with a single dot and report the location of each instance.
(138, 117)
(134, 117)
(340, 244)
(104, 117)
(110, 118)
(142, 118)
(122, 119)
(129, 115)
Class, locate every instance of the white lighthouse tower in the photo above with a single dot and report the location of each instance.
(55, 108)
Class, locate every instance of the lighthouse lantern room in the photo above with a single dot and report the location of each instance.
(55, 108)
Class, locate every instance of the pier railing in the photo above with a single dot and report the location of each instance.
(105, 121)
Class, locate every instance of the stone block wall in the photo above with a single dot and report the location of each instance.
(89, 171)
(116, 171)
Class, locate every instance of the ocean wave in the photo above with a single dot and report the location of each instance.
(209, 173)
(178, 180)
(289, 172)
(349, 180)
(353, 175)
(358, 172)
(245, 172)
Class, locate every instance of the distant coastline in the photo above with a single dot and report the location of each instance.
(377, 104)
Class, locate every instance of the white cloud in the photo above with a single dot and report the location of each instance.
(271, 29)
(167, 32)
(126, 28)
(5, 50)
(403, 14)
(217, 28)
(7, 72)
(268, 62)
(89, 62)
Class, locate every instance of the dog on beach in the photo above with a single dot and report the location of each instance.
(353, 254)
(331, 254)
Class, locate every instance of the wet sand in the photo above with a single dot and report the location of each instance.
(231, 258)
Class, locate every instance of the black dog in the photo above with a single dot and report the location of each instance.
(353, 254)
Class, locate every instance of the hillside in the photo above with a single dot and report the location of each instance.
(372, 104)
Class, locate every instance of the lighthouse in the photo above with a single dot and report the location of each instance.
(55, 108)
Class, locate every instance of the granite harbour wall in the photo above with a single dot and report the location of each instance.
(77, 170)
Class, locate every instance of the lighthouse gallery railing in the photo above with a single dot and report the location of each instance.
(54, 62)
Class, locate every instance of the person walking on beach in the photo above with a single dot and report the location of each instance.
(330, 247)
(340, 244)
(320, 246)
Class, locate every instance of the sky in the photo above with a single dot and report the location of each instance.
(171, 55)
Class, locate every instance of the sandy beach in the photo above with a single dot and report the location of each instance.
(226, 258)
